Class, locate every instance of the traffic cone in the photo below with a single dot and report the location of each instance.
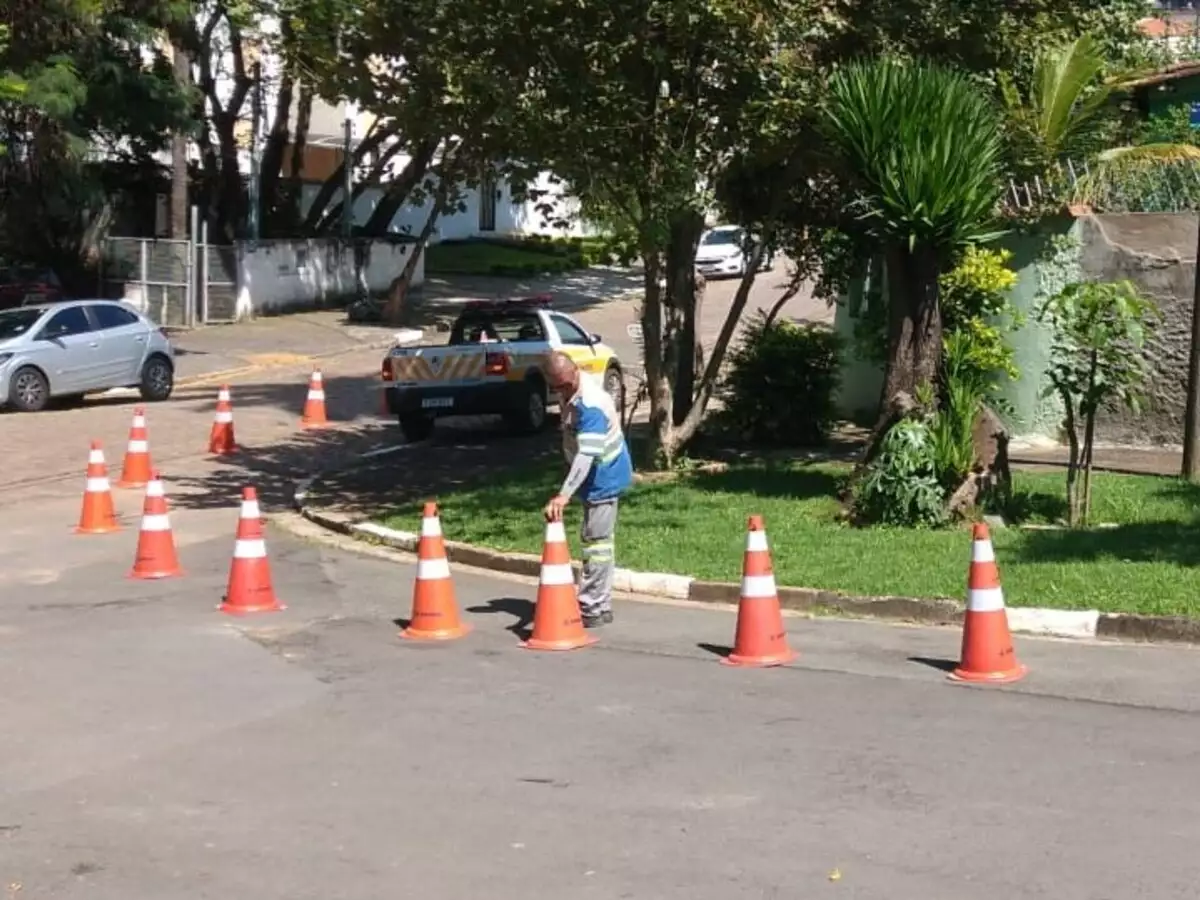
(155, 556)
(220, 439)
(434, 610)
(98, 515)
(987, 650)
(314, 405)
(250, 589)
(761, 639)
(136, 470)
(557, 624)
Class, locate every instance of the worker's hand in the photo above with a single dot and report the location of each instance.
(554, 509)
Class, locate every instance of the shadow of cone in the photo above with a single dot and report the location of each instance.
(761, 638)
(221, 440)
(250, 589)
(987, 649)
(314, 404)
(98, 515)
(156, 557)
(136, 470)
(557, 624)
(434, 609)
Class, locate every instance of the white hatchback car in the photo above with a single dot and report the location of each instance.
(68, 349)
(725, 250)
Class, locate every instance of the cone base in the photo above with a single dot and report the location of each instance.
(229, 610)
(304, 424)
(561, 645)
(440, 634)
(760, 662)
(98, 529)
(222, 451)
(1007, 677)
(150, 576)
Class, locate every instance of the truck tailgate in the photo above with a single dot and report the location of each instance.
(440, 366)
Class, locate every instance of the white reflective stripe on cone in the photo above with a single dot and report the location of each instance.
(556, 533)
(433, 569)
(556, 574)
(316, 376)
(156, 522)
(758, 587)
(155, 489)
(138, 447)
(431, 526)
(250, 549)
(985, 600)
(316, 395)
(95, 458)
(249, 510)
(756, 540)
(223, 417)
(139, 421)
(982, 552)
(223, 395)
(97, 485)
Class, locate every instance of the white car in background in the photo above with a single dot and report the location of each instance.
(725, 250)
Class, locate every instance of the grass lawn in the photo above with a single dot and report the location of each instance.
(695, 526)
(512, 258)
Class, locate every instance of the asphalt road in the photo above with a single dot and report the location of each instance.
(156, 748)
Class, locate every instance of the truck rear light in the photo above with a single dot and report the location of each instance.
(495, 364)
(387, 372)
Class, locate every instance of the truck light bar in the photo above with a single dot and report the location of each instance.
(540, 300)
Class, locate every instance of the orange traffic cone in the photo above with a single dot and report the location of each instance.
(220, 439)
(250, 589)
(314, 405)
(987, 650)
(557, 624)
(137, 469)
(156, 545)
(761, 639)
(97, 515)
(434, 611)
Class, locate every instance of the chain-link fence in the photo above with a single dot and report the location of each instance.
(157, 276)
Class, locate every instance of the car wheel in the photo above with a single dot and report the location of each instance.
(29, 390)
(528, 413)
(416, 427)
(614, 386)
(158, 380)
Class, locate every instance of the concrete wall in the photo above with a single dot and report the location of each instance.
(278, 276)
(1156, 251)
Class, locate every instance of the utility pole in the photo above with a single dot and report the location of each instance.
(1191, 425)
(181, 66)
(255, 215)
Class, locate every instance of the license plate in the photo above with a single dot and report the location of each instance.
(437, 403)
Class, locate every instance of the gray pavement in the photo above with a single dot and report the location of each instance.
(155, 748)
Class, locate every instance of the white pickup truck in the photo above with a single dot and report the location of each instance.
(493, 364)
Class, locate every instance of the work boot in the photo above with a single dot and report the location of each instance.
(596, 620)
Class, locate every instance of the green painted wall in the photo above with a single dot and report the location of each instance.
(1035, 417)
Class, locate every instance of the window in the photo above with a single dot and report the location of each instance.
(570, 332)
(111, 316)
(17, 322)
(523, 327)
(722, 237)
(66, 323)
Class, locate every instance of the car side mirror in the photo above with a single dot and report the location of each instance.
(595, 338)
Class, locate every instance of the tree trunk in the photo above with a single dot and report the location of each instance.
(231, 197)
(681, 288)
(271, 168)
(397, 191)
(182, 68)
(662, 448)
(316, 213)
(1071, 426)
(393, 310)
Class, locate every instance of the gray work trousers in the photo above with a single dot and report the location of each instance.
(599, 560)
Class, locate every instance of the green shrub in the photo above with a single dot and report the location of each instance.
(901, 485)
(781, 382)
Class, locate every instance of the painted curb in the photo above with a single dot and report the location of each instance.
(1087, 624)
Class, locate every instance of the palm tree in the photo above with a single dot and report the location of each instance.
(922, 149)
